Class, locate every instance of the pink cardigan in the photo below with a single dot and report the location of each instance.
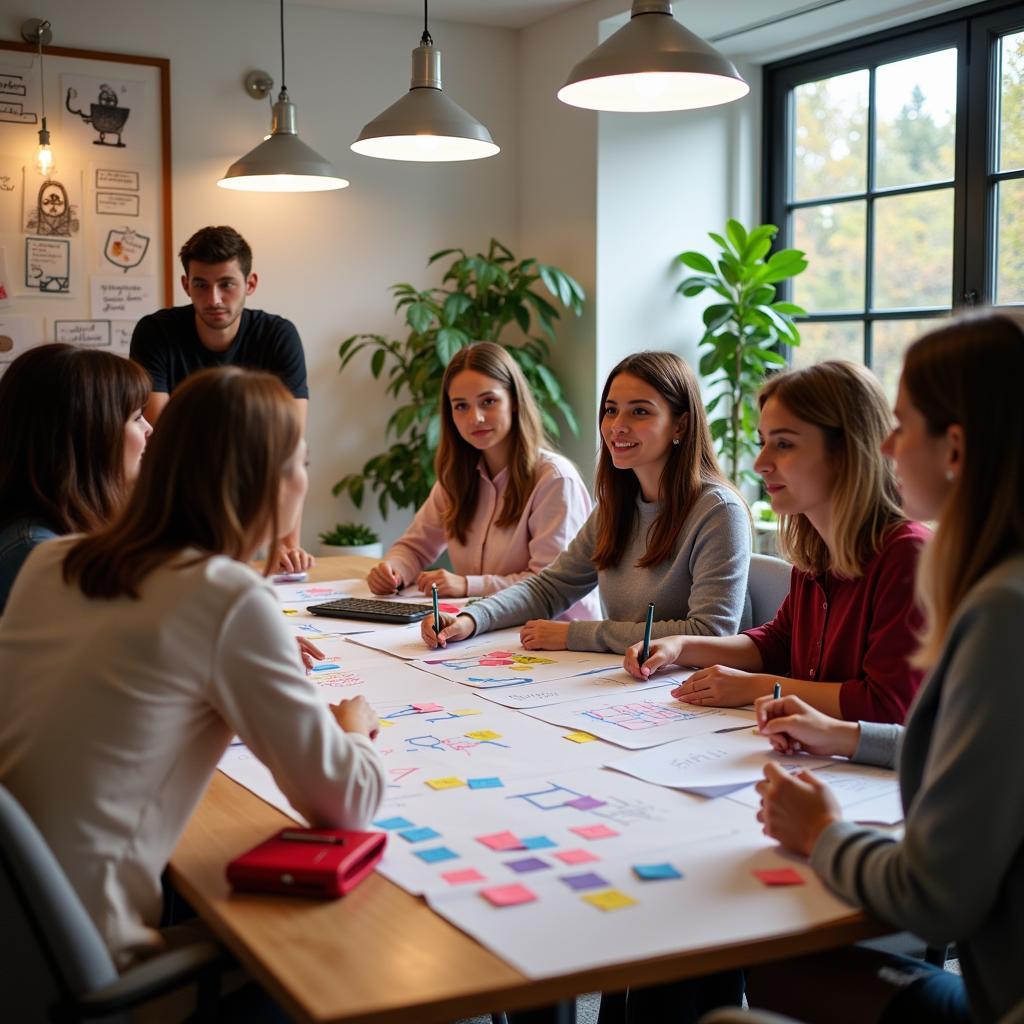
(494, 557)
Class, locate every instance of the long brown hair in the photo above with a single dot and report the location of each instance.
(845, 401)
(63, 412)
(457, 460)
(968, 373)
(210, 480)
(692, 465)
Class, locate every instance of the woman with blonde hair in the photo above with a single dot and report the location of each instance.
(843, 634)
(668, 528)
(129, 659)
(503, 506)
(957, 873)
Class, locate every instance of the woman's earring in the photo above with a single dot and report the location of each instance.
(675, 440)
(950, 475)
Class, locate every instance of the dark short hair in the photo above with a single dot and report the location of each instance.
(217, 245)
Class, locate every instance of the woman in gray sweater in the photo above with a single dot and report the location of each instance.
(667, 528)
(957, 875)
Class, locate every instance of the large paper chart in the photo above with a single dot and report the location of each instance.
(588, 684)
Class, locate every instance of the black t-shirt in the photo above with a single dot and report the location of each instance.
(167, 344)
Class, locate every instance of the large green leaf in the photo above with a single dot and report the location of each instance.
(449, 341)
(696, 261)
(419, 317)
(737, 235)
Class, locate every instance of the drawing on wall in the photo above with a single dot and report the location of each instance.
(125, 247)
(85, 333)
(13, 98)
(117, 191)
(17, 335)
(50, 209)
(106, 115)
(48, 265)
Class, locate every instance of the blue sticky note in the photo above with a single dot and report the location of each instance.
(538, 843)
(490, 783)
(390, 823)
(417, 835)
(652, 872)
(438, 853)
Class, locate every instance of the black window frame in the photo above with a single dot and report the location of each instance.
(975, 32)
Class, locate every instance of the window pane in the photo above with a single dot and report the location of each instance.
(830, 156)
(833, 236)
(1011, 102)
(915, 120)
(828, 341)
(913, 257)
(889, 340)
(1010, 241)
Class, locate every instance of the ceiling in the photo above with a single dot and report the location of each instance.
(497, 13)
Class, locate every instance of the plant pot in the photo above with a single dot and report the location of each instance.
(368, 550)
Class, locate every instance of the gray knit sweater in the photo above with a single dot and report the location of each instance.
(958, 873)
(701, 589)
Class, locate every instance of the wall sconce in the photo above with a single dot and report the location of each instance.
(37, 31)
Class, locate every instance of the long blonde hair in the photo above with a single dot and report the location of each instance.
(968, 373)
(457, 460)
(210, 480)
(846, 402)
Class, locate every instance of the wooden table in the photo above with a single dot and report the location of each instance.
(380, 954)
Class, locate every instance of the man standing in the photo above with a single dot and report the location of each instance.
(218, 330)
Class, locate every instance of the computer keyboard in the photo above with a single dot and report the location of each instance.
(372, 611)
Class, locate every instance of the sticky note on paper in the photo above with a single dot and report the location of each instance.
(653, 872)
(417, 835)
(594, 831)
(463, 712)
(427, 707)
(449, 782)
(451, 609)
(489, 783)
(484, 734)
(576, 856)
(589, 880)
(779, 876)
(580, 737)
(437, 854)
(527, 864)
(501, 841)
(392, 823)
(463, 877)
(538, 843)
(386, 723)
(585, 803)
(610, 899)
(508, 895)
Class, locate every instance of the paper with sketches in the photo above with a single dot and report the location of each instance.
(101, 111)
(10, 195)
(17, 335)
(125, 247)
(19, 96)
(587, 684)
(407, 643)
(53, 205)
(116, 191)
(48, 265)
(87, 333)
(123, 298)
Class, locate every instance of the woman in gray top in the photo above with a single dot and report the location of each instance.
(957, 875)
(668, 528)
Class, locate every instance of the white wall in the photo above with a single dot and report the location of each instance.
(325, 260)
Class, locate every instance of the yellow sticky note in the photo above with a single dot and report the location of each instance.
(290, 611)
(462, 712)
(386, 723)
(609, 899)
(484, 734)
(580, 737)
(447, 783)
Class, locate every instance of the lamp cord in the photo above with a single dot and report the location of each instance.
(425, 39)
(42, 78)
(284, 88)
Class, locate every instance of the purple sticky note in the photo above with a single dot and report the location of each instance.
(585, 803)
(585, 881)
(527, 864)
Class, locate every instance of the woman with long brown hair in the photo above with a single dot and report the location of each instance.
(129, 659)
(503, 506)
(73, 437)
(843, 634)
(668, 528)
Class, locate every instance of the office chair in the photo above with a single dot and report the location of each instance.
(768, 585)
(56, 968)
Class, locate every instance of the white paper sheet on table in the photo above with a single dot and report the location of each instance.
(639, 720)
(712, 761)
(587, 684)
(314, 593)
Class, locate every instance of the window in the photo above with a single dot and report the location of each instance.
(897, 164)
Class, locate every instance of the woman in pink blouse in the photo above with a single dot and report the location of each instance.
(843, 636)
(503, 506)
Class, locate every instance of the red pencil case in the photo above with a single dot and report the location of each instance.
(322, 862)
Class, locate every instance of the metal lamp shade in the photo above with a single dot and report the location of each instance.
(425, 124)
(650, 64)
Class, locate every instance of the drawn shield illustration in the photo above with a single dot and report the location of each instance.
(125, 248)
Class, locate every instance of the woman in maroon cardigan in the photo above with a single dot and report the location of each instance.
(842, 637)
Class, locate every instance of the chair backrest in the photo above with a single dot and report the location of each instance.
(768, 584)
(51, 947)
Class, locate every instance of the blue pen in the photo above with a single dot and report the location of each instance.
(437, 611)
(646, 652)
(777, 690)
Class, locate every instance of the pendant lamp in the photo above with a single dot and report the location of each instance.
(425, 124)
(37, 31)
(282, 162)
(652, 63)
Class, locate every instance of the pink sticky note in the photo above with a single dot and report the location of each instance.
(427, 707)
(494, 662)
(499, 654)
(501, 841)
(779, 876)
(508, 895)
(576, 856)
(451, 609)
(594, 831)
(462, 877)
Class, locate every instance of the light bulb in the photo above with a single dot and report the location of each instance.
(44, 159)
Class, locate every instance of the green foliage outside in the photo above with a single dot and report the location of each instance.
(480, 298)
(743, 331)
(349, 535)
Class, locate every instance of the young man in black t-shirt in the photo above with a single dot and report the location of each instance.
(217, 330)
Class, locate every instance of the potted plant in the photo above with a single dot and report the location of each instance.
(351, 539)
(480, 297)
(744, 330)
